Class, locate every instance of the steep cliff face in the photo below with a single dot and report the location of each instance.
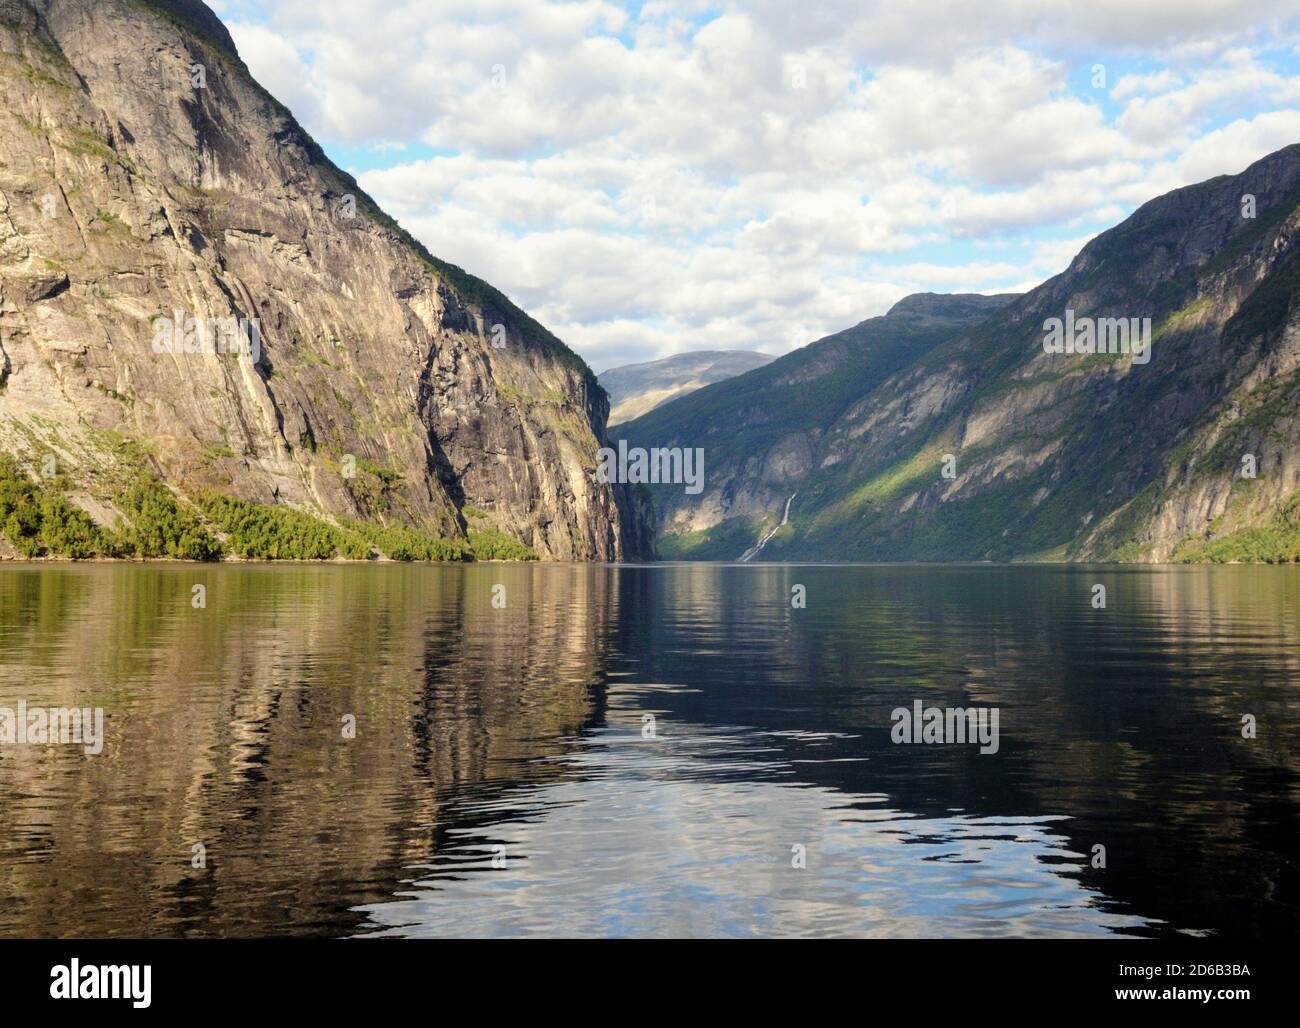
(147, 182)
(985, 446)
(1222, 474)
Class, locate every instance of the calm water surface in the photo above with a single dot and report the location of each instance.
(517, 736)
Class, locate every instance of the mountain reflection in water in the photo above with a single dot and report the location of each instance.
(501, 782)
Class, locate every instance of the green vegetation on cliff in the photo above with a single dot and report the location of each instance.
(399, 542)
(1277, 542)
(491, 544)
(40, 521)
(260, 532)
(158, 526)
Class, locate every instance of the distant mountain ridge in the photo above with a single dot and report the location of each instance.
(979, 445)
(635, 389)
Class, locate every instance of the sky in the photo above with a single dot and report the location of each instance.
(650, 178)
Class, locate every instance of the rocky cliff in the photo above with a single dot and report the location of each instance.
(985, 445)
(182, 270)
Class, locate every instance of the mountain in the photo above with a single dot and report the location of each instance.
(155, 201)
(763, 432)
(982, 445)
(635, 389)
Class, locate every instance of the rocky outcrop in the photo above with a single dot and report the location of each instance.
(148, 183)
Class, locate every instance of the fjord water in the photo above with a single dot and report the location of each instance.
(517, 737)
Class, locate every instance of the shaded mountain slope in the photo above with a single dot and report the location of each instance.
(1053, 456)
(766, 432)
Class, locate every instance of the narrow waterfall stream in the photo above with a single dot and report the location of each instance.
(754, 550)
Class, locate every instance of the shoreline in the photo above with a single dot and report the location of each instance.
(6, 561)
(267, 561)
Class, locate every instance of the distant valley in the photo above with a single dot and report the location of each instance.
(636, 389)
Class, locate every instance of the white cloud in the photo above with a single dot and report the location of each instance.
(1170, 117)
(719, 175)
(1230, 149)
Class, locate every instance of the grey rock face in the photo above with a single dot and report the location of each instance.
(144, 173)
